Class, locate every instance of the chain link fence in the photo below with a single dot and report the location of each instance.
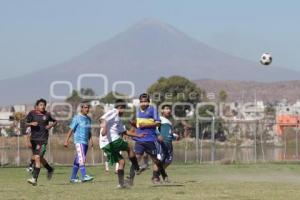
(236, 142)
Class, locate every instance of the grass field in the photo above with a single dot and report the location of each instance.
(261, 181)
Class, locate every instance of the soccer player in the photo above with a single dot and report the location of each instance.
(111, 141)
(147, 120)
(40, 122)
(166, 136)
(81, 127)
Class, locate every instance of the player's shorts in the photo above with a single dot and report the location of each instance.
(168, 152)
(81, 151)
(149, 147)
(112, 150)
(38, 148)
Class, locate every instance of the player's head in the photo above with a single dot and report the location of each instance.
(166, 110)
(144, 101)
(85, 107)
(40, 105)
(120, 104)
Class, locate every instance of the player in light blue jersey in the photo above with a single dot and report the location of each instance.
(81, 127)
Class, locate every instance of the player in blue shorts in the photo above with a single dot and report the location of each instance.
(147, 120)
(166, 136)
(81, 127)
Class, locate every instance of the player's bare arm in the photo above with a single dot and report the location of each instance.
(32, 124)
(103, 126)
(51, 125)
(132, 133)
(27, 141)
(69, 134)
(91, 140)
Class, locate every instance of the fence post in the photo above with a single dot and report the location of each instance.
(297, 152)
(213, 147)
(197, 141)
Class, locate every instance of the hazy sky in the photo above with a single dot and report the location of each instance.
(35, 34)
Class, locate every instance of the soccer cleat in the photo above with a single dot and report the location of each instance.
(87, 178)
(129, 181)
(141, 170)
(32, 181)
(50, 174)
(75, 180)
(125, 186)
(156, 181)
(167, 180)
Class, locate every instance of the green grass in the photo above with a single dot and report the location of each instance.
(261, 181)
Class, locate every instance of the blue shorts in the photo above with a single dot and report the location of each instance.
(167, 151)
(81, 151)
(149, 147)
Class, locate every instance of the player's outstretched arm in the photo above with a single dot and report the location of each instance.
(132, 133)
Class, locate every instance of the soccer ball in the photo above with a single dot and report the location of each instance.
(266, 59)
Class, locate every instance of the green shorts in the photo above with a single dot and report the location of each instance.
(112, 150)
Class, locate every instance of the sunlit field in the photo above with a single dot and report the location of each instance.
(261, 181)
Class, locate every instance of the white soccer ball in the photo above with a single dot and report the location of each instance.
(266, 59)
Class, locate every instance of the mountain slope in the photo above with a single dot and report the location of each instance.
(142, 54)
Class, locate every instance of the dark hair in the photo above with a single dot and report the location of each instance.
(166, 105)
(144, 95)
(40, 101)
(84, 102)
(120, 102)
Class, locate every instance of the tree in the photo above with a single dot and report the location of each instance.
(75, 98)
(175, 89)
(111, 97)
(223, 96)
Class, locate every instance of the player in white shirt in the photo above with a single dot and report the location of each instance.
(111, 141)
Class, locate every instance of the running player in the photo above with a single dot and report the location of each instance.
(166, 136)
(111, 141)
(147, 120)
(40, 122)
(81, 127)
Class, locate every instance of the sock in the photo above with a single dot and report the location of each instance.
(106, 166)
(48, 167)
(74, 171)
(134, 163)
(83, 171)
(161, 170)
(155, 175)
(158, 173)
(36, 173)
(132, 172)
(121, 176)
(146, 161)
